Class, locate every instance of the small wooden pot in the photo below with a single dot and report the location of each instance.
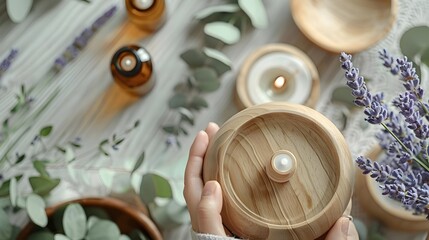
(259, 75)
(285, 170)
(350, 26)
(386, 210)
(126, 217)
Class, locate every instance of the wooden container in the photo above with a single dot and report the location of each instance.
(126, 217)
(274, 73)
(389, 212)
(147, 14)
(132, 69)
(304, 195)
(350, 26)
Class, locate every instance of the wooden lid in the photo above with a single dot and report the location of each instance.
(304, 200)
(264, 66)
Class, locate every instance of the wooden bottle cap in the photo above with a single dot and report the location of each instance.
(285, 170)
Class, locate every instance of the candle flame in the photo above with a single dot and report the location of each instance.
(279, 82)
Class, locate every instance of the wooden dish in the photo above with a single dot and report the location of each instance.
(350, 26)
(388, 211)
(308, 92)
(119, 212)
(302, 200)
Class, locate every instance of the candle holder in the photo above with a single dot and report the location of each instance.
(277, 73)
(285, 170)
(147, 14)
(132, 69)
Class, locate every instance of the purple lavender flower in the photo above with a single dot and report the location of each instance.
(82, 40)
(7, 62)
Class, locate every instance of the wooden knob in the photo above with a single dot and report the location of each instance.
(285, 170)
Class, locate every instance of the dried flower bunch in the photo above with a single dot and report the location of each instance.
(403, 174)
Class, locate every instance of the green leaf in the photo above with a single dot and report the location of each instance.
(74, 222)
(91, 221)
(59, 236)
(42, 235)
(425, 57)
(43, 185)
(138, 235)
(256, 11)
(198, 102)
(107, 176)
(224, 32)
(35, 207)
(13, 192)
(170, 215)
(103, 230)
(217, 60)
(152, 186)
(206, 78)
(101, 147)
(124, 237)
(414, 41)
(40, 168)
(186, 115)
(209, 12)
(45, 131)
(183, 130)
(20, 158)
(98, 212)
(170, 129)
(5, 226)
(136, 123)
(178, 100)
(138, 163)
(193, 57)
(4, 188)
(343, 95)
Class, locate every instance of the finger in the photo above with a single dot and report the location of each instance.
(344, 228)
(193, 172)
(211, 130)
(209, 218)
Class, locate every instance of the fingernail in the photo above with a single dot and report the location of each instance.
(209, 189)
(345, 226)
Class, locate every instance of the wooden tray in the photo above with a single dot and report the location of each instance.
(261, 202)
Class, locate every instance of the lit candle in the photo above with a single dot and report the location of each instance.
(277, 72)
(131, 67)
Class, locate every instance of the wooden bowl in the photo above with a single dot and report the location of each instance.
(302, 86)
(304, 195)
(350, 26)
(389, 212)
(126, 217)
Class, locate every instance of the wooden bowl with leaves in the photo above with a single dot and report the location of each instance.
(130, 221)
(285, 170)
(350, 26)
(390, 212)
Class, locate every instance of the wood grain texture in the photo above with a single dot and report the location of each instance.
(256, 207)
(242, 97)
(381, 208)
(349, 26)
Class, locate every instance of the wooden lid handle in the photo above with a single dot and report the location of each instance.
(281, 167)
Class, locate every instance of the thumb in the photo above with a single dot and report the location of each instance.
(344, 228)
(209, 219)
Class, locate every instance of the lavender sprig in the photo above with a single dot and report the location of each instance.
(7, 62)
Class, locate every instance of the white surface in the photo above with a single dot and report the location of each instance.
(91, 106)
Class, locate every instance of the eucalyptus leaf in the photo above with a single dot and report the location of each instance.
(198, 102)
(425, 57)
(224, 32)
(210, 11)
(178, 100)
(4, 188)
(152, 186)
(35, 207)
(69, 154)
(103, 230)
(74, 222)
(107, 176)
(5, 226)
(138, 235)
(138, 162)
(91, 221)
(171, 215)
(43, 185)
(343, 95)
(194, 57)
(45, 131)
(124, 237)
(186, 115)
(414, 41)
(59, 236)
(256, 11)
(417, 67)
(40, 168)
(13, 192)
(206, 79)
(171, 129)
(42, 235)
(97, 212)
(217, 60)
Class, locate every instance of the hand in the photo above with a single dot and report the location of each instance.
(205, 201)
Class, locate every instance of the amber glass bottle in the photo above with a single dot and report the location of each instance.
(147, 14)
